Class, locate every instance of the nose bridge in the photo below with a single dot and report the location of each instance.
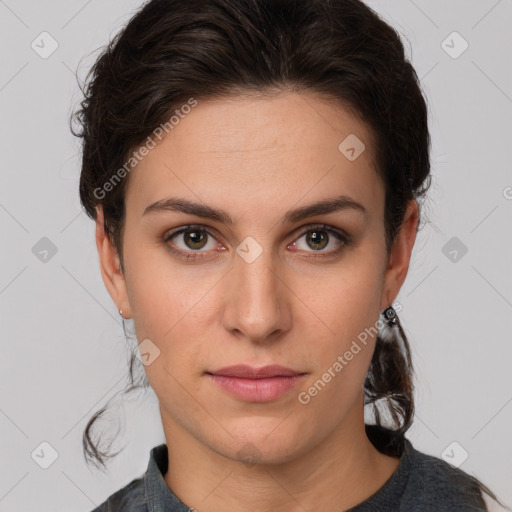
(255, 306)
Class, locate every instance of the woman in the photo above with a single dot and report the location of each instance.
(256, 170)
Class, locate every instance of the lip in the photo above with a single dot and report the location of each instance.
(249, 372)
(256, 384)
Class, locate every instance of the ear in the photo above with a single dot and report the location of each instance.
(110, 266)
(399, 258)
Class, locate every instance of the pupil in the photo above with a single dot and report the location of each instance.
(317, 238)
(195, 237)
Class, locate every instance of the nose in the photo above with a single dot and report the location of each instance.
(257, 303)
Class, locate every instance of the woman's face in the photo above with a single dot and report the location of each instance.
(260, 284)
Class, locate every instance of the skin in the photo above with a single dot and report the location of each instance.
(257, 157)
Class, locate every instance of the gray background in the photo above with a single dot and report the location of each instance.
(63, 348)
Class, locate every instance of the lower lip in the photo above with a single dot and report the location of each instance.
(256, 390)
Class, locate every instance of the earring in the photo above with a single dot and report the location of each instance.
(390, 316)
(121, 312)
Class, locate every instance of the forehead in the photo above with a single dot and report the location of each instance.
(258, 151)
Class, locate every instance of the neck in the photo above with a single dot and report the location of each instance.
(340, 472)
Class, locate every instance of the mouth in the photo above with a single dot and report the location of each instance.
(249, 372)
(251, 384)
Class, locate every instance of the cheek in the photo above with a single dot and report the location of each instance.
(158, 291)
(344, 327)
(340, 359)
(170, 306)
(344, 301)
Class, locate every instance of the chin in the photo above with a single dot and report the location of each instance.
(251, 454)
(264, 446)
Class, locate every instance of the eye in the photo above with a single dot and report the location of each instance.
(196, 241)
(321, 236)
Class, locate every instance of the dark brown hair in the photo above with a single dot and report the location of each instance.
(175, 50)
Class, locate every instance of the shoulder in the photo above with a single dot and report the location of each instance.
(433, 483)
(134, 496)
(131, 498)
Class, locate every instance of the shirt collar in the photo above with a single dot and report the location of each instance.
(158, 495)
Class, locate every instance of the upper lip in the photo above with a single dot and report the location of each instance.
(249, 372)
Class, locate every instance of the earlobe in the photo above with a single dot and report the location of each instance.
(110, 267)
(399, 259)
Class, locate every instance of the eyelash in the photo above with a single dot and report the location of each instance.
(193, 255)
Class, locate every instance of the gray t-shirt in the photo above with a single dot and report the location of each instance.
(420, 483)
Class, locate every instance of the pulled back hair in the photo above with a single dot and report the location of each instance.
(172, 51)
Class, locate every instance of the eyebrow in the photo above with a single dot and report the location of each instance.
(324, 206)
